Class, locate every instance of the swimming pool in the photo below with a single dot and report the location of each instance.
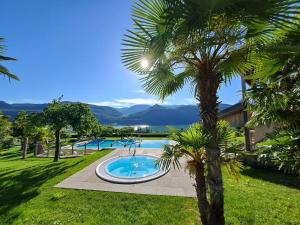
(130, 169)
(123, 144)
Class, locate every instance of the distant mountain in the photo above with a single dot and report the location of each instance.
(166, 115)
(4, 105)
(105, 114)
(134, 115)
(161, 115)
(133, 109)
(12, 110)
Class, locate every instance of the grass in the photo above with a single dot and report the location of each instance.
(27, 196)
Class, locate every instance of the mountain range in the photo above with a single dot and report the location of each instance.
(134, 115)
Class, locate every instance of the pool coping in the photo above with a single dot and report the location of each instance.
(103, 174)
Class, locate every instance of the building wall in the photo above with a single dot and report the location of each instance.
(235, 119)
(260, 133)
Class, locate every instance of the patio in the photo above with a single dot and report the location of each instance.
(176, 182)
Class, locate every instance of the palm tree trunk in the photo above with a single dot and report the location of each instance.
(57, 145)
(201, 193)
(208, 85)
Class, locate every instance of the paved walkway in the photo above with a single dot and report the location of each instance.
(174, 183)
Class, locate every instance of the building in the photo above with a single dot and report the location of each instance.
(234, 115)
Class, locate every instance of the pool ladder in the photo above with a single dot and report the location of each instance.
(135, 145)
(134, 150)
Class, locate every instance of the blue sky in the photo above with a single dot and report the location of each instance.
(72, 48)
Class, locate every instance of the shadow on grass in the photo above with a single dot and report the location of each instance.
(273, 177)
(19, 186)
(8, 154)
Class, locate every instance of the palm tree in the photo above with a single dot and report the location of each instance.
(202, 43)
(192, 144)
(4, 71)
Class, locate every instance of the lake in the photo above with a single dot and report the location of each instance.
(154, 129)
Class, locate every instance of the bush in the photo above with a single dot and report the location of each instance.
(7, 142)
(281, 151)
(150, 134)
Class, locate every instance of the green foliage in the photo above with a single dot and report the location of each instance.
(31, 126)
(193, 143)
(97, 131)
(42, 135)
(6, 140)
(125, 131)
(59, 115)
(274, 97)
(82, 119)
(274, 100)
(282, 150)
(25, 124)
(108, 131)
(4, 71)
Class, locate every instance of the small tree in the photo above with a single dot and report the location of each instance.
(40, 136)
(125, 131)
(97, 131)
(59, 115)
(6, 140)
(108, 131)
(21, 130)
(82, 119)
(192, 143)
(27, 126)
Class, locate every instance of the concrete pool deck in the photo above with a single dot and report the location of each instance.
(176, 182)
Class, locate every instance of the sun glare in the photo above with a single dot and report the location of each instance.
(144, 63)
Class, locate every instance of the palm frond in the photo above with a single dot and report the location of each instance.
(162, 82)
(170, 156)
(5, 72)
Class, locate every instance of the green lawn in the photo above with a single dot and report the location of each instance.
(27, 196)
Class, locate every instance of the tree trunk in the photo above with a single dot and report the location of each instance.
(57, 145)
(24, 147)
(208, 84)
(201, 193)
(245, 116)
(35, 152)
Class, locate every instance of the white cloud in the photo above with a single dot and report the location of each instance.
(119, 103)
(141, 91)
(26, 100)
(192, 101)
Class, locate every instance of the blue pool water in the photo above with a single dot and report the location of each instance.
(133, 167)
(123, 144)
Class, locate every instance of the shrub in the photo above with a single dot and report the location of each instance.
(282, 150)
